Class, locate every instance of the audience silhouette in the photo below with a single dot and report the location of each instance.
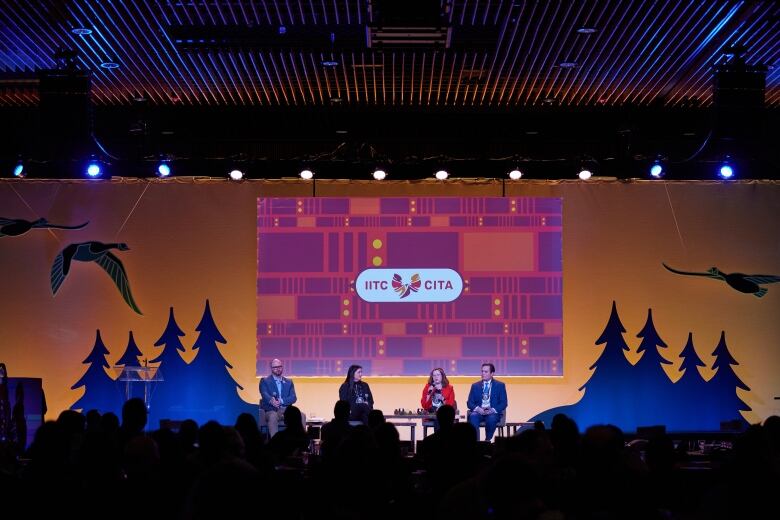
(86, 463)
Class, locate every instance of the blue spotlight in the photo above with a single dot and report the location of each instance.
(94, 170)
(19, 170)
(726, 171)
(657, 170)
(163, 169)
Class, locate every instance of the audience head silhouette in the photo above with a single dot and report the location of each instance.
(341, 410)
(446, 416)
(375, 418)
(293, 418)
(134, 415)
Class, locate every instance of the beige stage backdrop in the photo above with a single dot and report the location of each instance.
(195, 239)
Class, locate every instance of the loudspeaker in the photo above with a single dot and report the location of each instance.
(738, 101)
(65, 114)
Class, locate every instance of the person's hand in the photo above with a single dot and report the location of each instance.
(490, 411)
(275, 402)
(478, 410)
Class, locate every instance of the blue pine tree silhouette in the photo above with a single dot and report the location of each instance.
(629, 396)
(652, 387)
(131, 355)
(609, 393)
(130, 359)
(690, 392)
(212, 392)
(722, 388)
(100, 390)
(168, 396)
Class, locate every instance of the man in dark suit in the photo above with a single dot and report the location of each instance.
(487, 401)
(277, 392)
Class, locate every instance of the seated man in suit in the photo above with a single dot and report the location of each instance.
(277, 393)
(487, 401)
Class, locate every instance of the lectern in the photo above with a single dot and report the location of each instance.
(146, 376)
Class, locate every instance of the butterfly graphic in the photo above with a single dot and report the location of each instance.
(404, 289)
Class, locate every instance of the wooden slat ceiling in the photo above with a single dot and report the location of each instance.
(479, 53)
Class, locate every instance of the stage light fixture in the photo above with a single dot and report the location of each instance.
(515, 174)
(19, 170)
(726, 169)
(236, 175)
(657, 169)
(306, 174)
(442, 175)
(163, 169)
(95, 168)
(585, 174)
(379, 174)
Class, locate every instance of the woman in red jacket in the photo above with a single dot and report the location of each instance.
(437, 391)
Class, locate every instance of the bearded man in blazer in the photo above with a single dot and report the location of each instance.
(277, 393)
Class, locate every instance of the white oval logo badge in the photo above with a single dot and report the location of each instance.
(409, 285)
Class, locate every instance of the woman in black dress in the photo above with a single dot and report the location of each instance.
(358, 394)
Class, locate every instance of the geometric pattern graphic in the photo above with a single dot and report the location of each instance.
(507, 251)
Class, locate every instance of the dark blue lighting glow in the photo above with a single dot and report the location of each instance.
(109, 65)
(81, 31)
(329, 63)
(19, 170)
(282, 29)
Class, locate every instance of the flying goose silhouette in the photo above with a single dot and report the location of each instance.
(99, 253)
(746, 283)
(13, 227)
